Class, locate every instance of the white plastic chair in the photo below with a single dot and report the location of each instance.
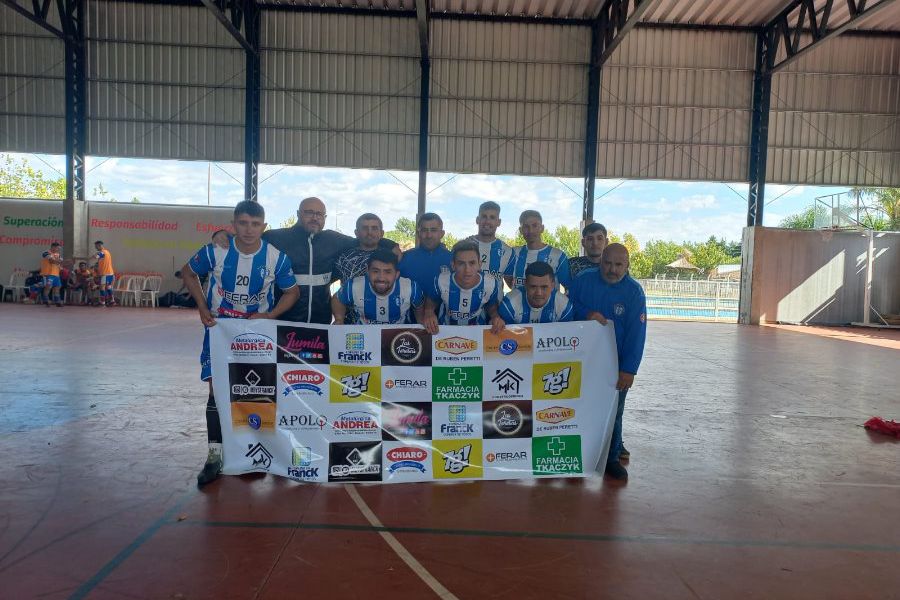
(133, 295)
(121, 288)
(16, 287)
(150, 293)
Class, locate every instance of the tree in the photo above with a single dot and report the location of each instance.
(567, 239)
(887, 200)
(660, 253)
(289, 222)
(805, 219)
(404, 232)
(18, 179)
(708, 255)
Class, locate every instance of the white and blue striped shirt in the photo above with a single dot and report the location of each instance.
(376, 309)
(241, 284)
(516, 309)
(523, 257)
(461, 306)
(495, 256)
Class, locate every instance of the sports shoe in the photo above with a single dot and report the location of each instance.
(616, 471)
(624, 454)
(212, 469)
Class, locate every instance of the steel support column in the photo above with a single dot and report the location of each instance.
(424, 96)
(615, 19)
(251, 102)
(593, 118)
(759, 131)
(72, 15)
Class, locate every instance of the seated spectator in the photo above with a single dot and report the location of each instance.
(81, 279)
(35, 286)
(181, 298)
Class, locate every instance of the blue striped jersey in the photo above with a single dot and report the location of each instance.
(375, 309)
(516, 309)
(241, 284)
(495, 256)
(523, 257)
(460, 306)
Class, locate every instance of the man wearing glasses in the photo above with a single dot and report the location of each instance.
(313, 251)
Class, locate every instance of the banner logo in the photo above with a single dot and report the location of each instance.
(356, 423)
(555, 414)
(561, 343)
(512, 342)
(259, 456)
(506, 419)
(302, 345)
(406, 420)
(252, 345)
(303, 382)
(355, 384)
(557, 455)
(457, 459)
(405, 347)
(455, 384)
(561, 380)
(406, 458)
(354, 461)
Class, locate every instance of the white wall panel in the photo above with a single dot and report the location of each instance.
(675, 104)
(508, 98)
(835, 115)
(340, 90)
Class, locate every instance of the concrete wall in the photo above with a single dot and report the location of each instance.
(816, 277)
(141, 237)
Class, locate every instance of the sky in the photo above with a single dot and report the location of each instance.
(660, 210)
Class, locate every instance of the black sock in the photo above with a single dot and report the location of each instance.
(213, 426)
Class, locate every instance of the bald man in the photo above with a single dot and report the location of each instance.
(313, 251)
(610, 294)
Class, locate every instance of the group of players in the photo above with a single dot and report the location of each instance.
(99, 276)
(287, 273)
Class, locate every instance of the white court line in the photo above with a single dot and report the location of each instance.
(890, 486)
(398, 548)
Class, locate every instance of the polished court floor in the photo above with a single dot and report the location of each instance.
(751, 477)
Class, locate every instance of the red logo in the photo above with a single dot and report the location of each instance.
(303, 376)
(406, 453)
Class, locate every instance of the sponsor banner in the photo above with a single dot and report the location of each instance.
(355, 384)
(464, 347)
(354, 345)
(392, 404)
(406, 461)
(406, 420)
(560, 380)
(514, 342)
(455, 420)
(405, 348)
(406, 384)
(506, 459)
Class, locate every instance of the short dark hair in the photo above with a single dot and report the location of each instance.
(82, 263)
(489, 205)
(368, 217)
(528, 214)
(430, 217)
(539, 269)
(250, 208)
(55, 244)
(463, 246)
(383, 255)
(593, 228)
(218, 231)
(95, 243)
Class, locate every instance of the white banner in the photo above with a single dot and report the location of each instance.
(395, 404)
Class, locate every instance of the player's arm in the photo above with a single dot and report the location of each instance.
(505, 311)
(288, 298)
(418, 299)
(338, 309)
(496, 321)
(430, 306)
(192, 283)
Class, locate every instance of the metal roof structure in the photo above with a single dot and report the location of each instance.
(787, 91)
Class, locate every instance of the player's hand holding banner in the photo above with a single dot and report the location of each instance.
(396, 404)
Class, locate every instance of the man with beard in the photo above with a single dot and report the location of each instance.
(313, 251)
(538, 301)
(464, 296)
(495, 253)
(611, 294)
(593, 240)
(381, 296)
(531, 226)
